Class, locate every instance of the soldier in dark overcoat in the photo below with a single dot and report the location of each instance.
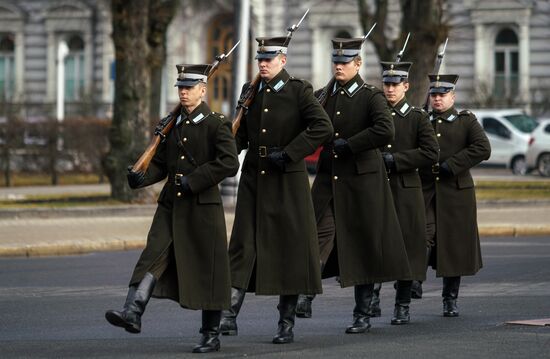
(449, 194)
(273, 248)
(413, 147)
(359, 235)
(185, 258)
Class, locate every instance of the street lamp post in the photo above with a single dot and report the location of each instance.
(57, 140)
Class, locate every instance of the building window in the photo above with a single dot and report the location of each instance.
(74, 69)
(506, 81)
(7, 66)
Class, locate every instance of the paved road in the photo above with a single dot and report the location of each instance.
(53, 308)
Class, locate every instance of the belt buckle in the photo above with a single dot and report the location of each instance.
(177, 179)
(435, 169)
(262, 151)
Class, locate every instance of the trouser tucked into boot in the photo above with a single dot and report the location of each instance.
(374, 307)
(210, 331)
(228, 324)
(402, 301)
(287, 312)
(450, 295)
(363, 296)
(138, 296)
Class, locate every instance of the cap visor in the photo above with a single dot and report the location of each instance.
(393, 79)
(440, 89)
(266, 55)
(343, 59)
(186, 83)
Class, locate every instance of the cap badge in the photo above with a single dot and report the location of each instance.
(262, 46)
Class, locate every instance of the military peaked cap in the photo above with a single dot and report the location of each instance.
(190, 75)
(442, 83)
(395, 72)
(270, 47)
(345, 50)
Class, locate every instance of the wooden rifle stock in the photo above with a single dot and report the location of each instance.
(167, 123)
(244, 102)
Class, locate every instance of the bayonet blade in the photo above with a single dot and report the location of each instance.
(444, 48)
(296, 26)
(368, 33)
(400, 54)
(233, 48)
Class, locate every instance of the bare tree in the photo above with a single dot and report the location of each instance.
(138, 27)
(425, 20)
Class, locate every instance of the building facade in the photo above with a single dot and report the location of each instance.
(499, 49)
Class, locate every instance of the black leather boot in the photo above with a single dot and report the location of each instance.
(416, 289)
(210, 331)
(138, 296)
(287, 312)
(374, 308)
(402, 301)
(450, 295)
(228, 324)
(363, 296)
(303, 307)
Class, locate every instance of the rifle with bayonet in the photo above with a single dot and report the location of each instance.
(248, 95)
(167, 123)
(437, 66)
(323, 94)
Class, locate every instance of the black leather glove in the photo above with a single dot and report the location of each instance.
(445, 170)
(389, 161)
(341, 147)
(184, 185)
(279, 159)
(135, 179)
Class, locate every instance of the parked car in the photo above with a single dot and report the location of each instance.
(538, 154)
(509, 132)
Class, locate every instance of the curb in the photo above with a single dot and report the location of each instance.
(83, 247)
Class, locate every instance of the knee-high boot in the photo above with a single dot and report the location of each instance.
(287, 312)
(450, 295)
(303, 307)
(363, 296)
(138, 296)
(228, 324)
(210, 330)
(374, 307)
(402, 301)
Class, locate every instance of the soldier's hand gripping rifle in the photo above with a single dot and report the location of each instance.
(437, 66)
(167, 123)
(248, 95)
(323, 94)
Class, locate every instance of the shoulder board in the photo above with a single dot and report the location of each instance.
(419, 109)
(292, 78)
(220, 117)
(467, 113)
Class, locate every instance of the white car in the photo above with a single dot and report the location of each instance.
(538, 154)
(509, 132)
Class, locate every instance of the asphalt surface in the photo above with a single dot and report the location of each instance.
(53, 307)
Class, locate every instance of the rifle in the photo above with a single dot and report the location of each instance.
(167, 123)
(400, 53)
(248, 95)
(438, 62)
(323, 95)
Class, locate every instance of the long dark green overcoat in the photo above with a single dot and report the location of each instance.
(273, 248)
(415, 146)
(463, 144)
(369, 245)
(198, 273)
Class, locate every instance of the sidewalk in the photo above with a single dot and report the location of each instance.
(47, 232)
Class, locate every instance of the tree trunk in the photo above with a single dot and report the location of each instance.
(161, 14)
(130, 125)
(424, 20)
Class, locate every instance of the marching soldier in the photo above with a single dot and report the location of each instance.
(414, 146)
(273, 248)
(449, 194)
(359, 236)
(184, 259)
